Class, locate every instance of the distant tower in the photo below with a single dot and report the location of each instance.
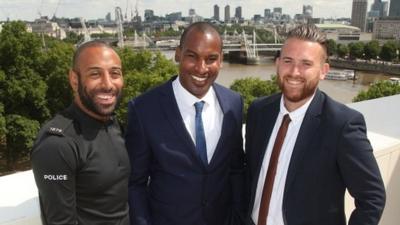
(238, 13)
(108, 17)
(359, 14)
(278, 10)
(267, 13)
(148, 14)
(216, 12)
(192, 12)
(394, 9)
(227, 13)
(307, 11)
(385, 6)
(377, 6)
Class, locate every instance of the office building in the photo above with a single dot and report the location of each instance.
(387, 28)
(278, 10)
(385, 6)
(108, 17)
(148, 14)
(267, 13)
(307, 11)
(359, 14)
(227, 13)
(192, 12)
(394, 9)
(216, 12)
(238, 13)
(172, 17)
(379, 8)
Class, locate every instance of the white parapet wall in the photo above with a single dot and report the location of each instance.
(382, 116)
(19, 204)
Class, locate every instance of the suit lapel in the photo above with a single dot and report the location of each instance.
(307, 132)
(265, 122)
(170, 107)
(227, 122)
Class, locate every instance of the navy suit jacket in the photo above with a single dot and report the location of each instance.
(169, 184)
(331, 153)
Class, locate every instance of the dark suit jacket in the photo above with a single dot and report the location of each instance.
(169, 184)
(331, 153)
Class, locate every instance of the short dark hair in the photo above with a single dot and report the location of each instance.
(203, 27)
(82, 47)
(309, 32)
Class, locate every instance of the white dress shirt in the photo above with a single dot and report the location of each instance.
(212, 115)
(275, 216)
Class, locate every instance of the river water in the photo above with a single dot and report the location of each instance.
(342, 91)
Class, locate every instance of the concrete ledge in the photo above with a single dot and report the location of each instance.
(19, 203)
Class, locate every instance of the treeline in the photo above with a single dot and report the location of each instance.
(377, 90)
(371, 50)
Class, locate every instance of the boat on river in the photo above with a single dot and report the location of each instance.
(394, 80)
(340, 75)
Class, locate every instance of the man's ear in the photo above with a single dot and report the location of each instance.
(178, 54)
(324, 70)
(73, 80)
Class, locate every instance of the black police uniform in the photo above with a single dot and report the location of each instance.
(81, 169)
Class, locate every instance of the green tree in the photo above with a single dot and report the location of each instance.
(54, 70)
(332, 47)
(3, 131)
(142, 71)
(23, 90)
(372, 49)
(138, 60)
(251, 88)
(342, 50)
(25, 94)
(18, 49)
(169, 33)
(21, 133)
(377, 90)
(356, 50)
(73, 37)
(388, 52)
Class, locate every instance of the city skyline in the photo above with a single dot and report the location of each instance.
(95, 9)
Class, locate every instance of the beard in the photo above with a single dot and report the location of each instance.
(88, 100)
(297, 95)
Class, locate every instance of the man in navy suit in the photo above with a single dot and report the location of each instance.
(323, 152)
(187, 166)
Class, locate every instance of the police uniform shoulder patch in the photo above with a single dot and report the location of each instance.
(55, 131)
(58, 125)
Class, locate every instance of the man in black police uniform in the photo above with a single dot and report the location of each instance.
(79, 160)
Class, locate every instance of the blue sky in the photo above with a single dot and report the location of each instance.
(93, 9)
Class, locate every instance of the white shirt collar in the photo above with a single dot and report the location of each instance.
(188, 99)
(297, 114)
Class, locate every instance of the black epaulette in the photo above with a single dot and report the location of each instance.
(58, 125)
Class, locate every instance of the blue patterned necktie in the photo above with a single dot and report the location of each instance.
(201, 147)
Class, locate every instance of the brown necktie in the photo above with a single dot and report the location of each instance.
(269, 179)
